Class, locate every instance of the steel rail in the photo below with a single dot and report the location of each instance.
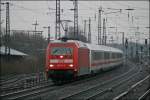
(111, 88)
(18, 83)
(98, 85)
(144, 95)
(13, 88)
(26, 95)
(8, 95)
(132, 87)
(31, 93)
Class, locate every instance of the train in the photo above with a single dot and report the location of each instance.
(69, 59)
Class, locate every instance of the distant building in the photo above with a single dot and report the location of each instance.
(14, 54)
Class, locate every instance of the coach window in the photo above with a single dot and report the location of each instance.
(118, 55)
(106, 55)
(97, 55)
(93, 55)
(113, 55)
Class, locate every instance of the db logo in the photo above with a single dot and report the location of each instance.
(61, 61)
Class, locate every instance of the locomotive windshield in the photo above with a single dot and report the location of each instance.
(61, 51)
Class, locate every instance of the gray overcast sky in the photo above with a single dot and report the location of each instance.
(24, 13)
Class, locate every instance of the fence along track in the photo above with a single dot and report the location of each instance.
(98, 85)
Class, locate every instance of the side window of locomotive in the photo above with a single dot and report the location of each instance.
(61, 51)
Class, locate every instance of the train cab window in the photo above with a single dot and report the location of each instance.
(61, 51)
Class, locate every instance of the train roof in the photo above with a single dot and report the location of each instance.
(103, 48)
(91, 46)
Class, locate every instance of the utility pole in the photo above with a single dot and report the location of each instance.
(105, 36)
(126, 54)
(104, 32)
(35, 24)
(0, 25)
(137, 56)
(112, 40)
(85, 29)
(76, 18)
(123, 39)
(149, 47)
(99, 26)
(141, 52)
(89, 33)
(7, 36)
(49, 36)
(66, 28)
(131, 52)
(36, 53)
(57, 35)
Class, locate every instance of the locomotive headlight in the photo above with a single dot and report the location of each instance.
(61, 56)
(51, 65)
(71, 65)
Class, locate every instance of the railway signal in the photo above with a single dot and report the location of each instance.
(57, 35)
(126, 46)
(126, 43)
(7, 35)
(49, 36)
(35, 24)
(89, 33)
(85, 34)
(99, 26)
(145, 41)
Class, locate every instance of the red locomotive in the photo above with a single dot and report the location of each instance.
(72, 58)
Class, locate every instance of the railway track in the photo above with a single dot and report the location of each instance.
(145, 95)
(20, 82)
(34, 92)
(38, 90)
(77, 86)
(83, 81)
(140, 95)
(27, 92)
(102, 88)
(10, 80)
